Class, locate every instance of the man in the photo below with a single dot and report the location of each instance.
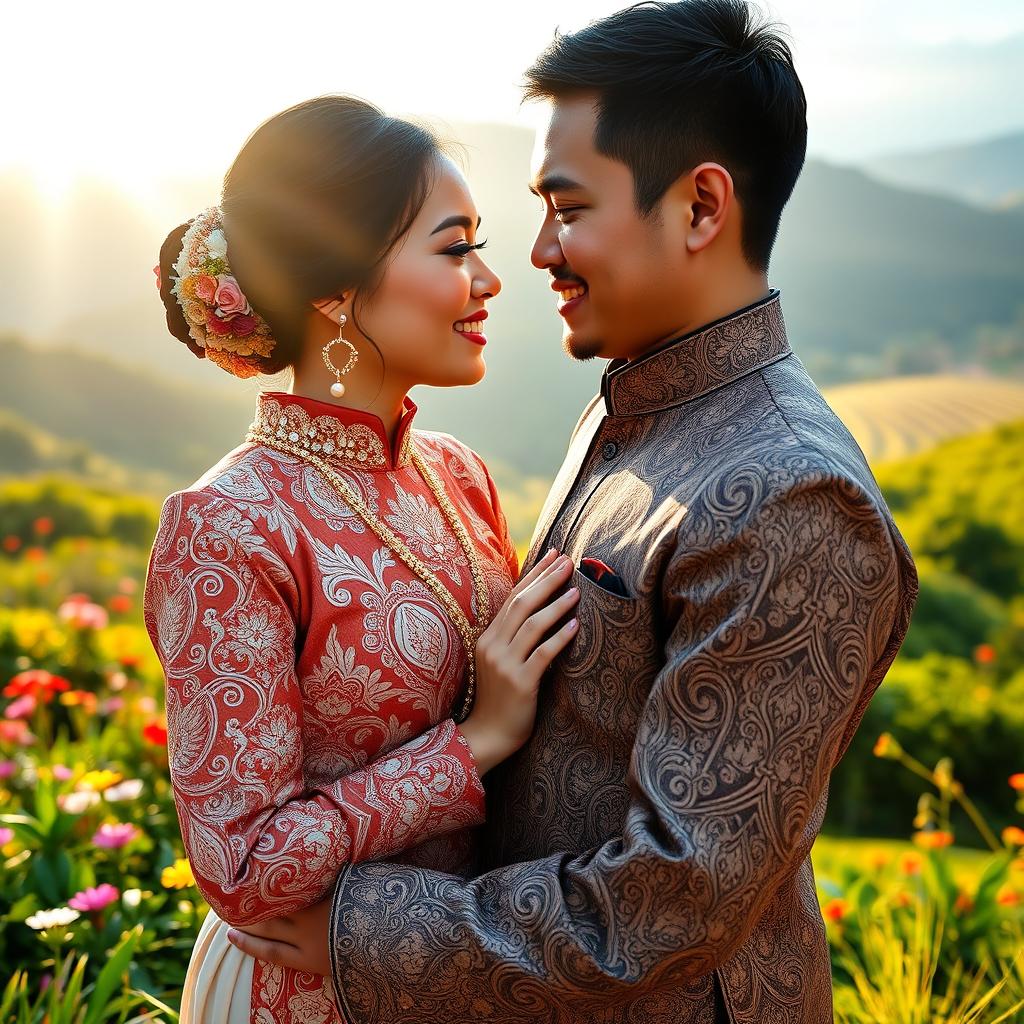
(744, 587)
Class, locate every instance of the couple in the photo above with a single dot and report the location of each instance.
(416, 783)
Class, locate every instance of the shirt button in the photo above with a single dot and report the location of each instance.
(609, 451)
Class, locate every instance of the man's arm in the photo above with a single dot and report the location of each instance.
(782, 617)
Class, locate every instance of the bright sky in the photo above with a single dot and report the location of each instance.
(139, 92)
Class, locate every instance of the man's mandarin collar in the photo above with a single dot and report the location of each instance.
(340, 436)
(689, 366)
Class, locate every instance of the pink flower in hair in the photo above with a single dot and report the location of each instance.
(205, 287)
(156, 270)
(229, 297)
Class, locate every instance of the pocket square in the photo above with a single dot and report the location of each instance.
(606, 578)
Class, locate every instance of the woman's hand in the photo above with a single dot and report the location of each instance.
(299, 941)
(512, 655)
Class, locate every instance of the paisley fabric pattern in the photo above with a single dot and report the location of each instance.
(310, 676)
(646, 853)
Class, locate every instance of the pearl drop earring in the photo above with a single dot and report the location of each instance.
(337, 388)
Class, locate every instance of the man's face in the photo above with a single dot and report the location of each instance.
(617, 276)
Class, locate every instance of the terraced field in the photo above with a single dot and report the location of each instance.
(892, 419)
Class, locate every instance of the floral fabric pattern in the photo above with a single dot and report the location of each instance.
(310, 675)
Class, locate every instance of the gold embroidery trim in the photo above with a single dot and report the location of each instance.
(469, 633)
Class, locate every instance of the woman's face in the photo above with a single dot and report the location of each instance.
(434, 282)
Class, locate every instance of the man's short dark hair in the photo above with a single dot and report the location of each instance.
(685, 82)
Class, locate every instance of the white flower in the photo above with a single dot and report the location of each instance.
(78, 803)
(132, 897)
(127, 790)
(59, 917)
(217, 244)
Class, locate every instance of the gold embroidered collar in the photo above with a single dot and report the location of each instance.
(687, 367)
(340, 436)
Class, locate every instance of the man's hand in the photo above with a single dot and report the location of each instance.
(299, 941)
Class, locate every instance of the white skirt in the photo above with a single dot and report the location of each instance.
(218, 985)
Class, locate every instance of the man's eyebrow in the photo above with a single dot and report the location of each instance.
(555, 183)
(457, 221)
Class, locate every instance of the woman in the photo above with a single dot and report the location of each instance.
(316, 597)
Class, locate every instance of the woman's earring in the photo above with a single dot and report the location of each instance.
(337, 388)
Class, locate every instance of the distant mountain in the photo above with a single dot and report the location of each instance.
(875, 280)
(987, 173)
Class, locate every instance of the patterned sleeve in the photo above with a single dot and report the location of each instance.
(779, 614)
(220, 607)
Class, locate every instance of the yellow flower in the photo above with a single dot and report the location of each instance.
(1013, 836)
(99, 780)
(943, 774)
(933, 839)
(178, 875)
(886, 746)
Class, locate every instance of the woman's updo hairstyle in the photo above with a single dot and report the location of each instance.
(312, 204)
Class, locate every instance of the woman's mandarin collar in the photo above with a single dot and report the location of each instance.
(338, 434)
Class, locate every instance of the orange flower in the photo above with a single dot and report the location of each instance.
(120, 604)
(835, 910)
(886, 746)
(43, 525)
(963, 903)
(879, 860)
(11, 543)
(1013, 836)
(79, 698)
(984, 654)
(1009, 898)
(35, 554)
(902, 899)
(1017, 782)
(153, 732)
(934, 839)
(911, 864)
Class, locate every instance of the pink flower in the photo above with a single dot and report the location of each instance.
(21, 708)
(6, 835)
(205, 287)
(79, 612)
(156, 270)
(7, 769)
(92, 899)
(16, 731)
(113, 837)
(61, 772)
(229, 297)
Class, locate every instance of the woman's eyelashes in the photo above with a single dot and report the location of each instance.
(561, 211)
(462, 251)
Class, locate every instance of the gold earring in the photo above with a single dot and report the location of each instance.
(337, 388)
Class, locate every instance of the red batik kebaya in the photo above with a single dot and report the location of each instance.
(311, 675)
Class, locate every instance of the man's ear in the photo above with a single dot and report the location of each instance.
(710, 195)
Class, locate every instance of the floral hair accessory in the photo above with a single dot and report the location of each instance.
(219, 316)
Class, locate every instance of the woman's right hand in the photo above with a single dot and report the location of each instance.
(512, 655)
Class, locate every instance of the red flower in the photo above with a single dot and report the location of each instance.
(984, 654)
(120, 604)
(43, 525)
(11, 543)
(129, 660)
(153, 732)
(38, 683)
(215, 325)
(243, 325)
